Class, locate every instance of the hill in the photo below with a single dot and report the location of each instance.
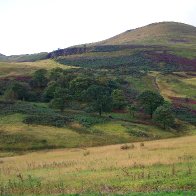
(2, 57)
(55, 103)
(160, 46)
(131, 60)
(24, 57)
(164, 33)
(134, 67)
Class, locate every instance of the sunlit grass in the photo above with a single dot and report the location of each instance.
(27, 68)
(18, 137)
(174, 86)
(155, 166)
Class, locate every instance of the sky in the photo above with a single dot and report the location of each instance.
(32, 26)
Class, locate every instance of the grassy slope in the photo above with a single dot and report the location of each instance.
(17, 137)
(163, 165)
(26, 68)
(164, 33)
(176, 85)
(101, 170)
(21, 137)
(25, 57)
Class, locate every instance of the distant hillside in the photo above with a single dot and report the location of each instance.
(159, 46)
(2, 57)
(163, 33)
(156, 33)
(24, 57)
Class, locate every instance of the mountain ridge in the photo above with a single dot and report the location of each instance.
(161, 34)
(159, 29)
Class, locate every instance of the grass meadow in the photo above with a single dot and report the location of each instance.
(154, 166)
(176, 85)
(27, 68)
(18, 137)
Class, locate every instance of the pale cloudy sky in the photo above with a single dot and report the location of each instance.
(31, 26)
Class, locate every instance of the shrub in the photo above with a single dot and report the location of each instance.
(126, 146)
(53, 120)
(35, 114)
(87, 120)
(142, 144)
(86, 153)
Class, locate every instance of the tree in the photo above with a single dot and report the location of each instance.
(150, 101)
(49, 91)
(39, 78)
(58, 103)
(118, 98)
(100, 98)
(17, 90)
(79, 85)
(132, 109)
(163, 115)
(55, 73)
(61, 96)
(112, 85)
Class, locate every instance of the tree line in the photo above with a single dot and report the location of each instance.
(98, 93)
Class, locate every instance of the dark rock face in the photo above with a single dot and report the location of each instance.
(104, 48)
(68, 51)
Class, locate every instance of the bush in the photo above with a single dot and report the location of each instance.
(35, 114)
(53, 120)
(86, 153)
(87, 121)
(142, 144)
(126, 146)
(184, 113)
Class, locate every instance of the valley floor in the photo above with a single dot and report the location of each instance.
(152, 166)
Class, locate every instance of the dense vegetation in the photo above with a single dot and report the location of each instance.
(134, 87)
(84, 107)
(94, 92)
(111, 87)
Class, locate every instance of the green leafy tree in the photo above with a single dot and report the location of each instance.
(55, 73)
(49, 91)
(111, 84)
(61, 97)
(163, 115)
(10, 95)
(100, 98)
(58, 103)
(39, 78)
(79, 86)
(150, 101)
(132, 109)
(17, 90)
(118, 98)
